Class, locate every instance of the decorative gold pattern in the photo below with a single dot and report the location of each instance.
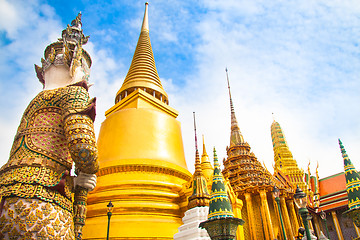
(55, 224)
(143, 168)
(54, 132)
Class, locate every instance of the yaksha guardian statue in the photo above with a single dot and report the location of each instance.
(39, 198)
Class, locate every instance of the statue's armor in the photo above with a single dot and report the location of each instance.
(55, 130)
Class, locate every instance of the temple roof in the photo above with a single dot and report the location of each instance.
(220, 206)
(142, 72)
(352, 180)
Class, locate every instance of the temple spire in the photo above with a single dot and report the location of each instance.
(204, 149)
(142, 73)
(145, 23)
(200, 196)
(220, 206)
(352, 179)
(197, 156)
(206, 166)
(236, 136)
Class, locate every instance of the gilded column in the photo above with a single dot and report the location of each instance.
(337, 225)
(317, 222)
(287, 223)
(293, 216)
(237, 206)
(357, 230)
(276, 209)
(265, 206)
(250, 213)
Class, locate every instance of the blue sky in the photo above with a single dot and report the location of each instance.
(297, 59)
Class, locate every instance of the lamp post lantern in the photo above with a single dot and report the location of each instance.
(323, 217)
(109, 213)
(276, 194)
(301, 201)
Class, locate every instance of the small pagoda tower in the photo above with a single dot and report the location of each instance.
(251, 182)
(221, 224)
(141, 158)
(198, 204)
(352, 187)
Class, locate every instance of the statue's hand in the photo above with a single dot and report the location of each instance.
(85, 180)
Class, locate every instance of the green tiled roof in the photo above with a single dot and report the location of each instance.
(220, 206)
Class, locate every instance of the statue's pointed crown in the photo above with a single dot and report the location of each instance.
(142, 73)
(67, 50)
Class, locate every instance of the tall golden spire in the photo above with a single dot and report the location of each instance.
(142, 72)
(236, 136)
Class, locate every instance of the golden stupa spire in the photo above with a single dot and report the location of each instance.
(204, 149)
(142, 73)
(200, 196)
(206, 166)
(236, 136)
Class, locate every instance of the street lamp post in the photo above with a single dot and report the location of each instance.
(276, 194)
(301, 201)
(109, 213)
(323, 217)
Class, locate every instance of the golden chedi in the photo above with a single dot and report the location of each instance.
(141, 157)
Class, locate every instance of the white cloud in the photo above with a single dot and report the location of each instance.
(295, 61)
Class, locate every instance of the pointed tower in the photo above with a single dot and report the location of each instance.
(352, 187)
(200, 196)
(219, 203)
(206, 167)
(142, 73)
(198, 204)
(141, 157)
(221, 224)
(283, 158)
(251, 182)
(242, 168)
